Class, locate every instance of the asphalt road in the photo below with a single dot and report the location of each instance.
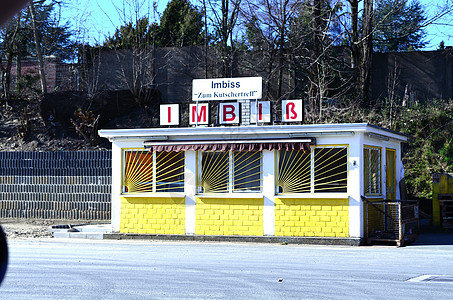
(84, 269)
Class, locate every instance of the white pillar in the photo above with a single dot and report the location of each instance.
(269, 192)
(190, 183)
(355, 186)
(116, 186)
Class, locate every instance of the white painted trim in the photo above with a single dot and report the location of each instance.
(268, 182)
(231, 195)
(264, 132)
(230, 172)
(153, 195)
(234, 141)
(376, 197)
(282, 196)
(312, 171)
(355, 186)
(190, 185)
(313, 196)
(117, 170)
(154, 172)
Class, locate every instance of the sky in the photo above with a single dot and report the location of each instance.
(94, 20)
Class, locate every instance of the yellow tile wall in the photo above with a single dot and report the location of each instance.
(152, 215)
(312, 217)
(219, 216)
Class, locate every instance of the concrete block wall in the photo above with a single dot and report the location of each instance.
(56, 185)
(312, 217)
(220, 216)
(214, 216)
(153, 215)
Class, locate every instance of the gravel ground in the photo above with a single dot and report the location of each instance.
(30, 228)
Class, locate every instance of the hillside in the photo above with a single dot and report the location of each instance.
(67, 121)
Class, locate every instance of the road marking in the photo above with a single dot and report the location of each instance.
(433, 278)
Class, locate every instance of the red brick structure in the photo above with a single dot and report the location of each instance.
(60, 76)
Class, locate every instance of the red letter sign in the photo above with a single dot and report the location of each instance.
(292, 111)
(169, 114)
(203, 114)
(264, 112)
(229, 113)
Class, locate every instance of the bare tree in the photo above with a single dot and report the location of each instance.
(9, 33)
(321, 66)
(354, 36)
(137, 60)
(89, 68)
(361, 39)
(268, 24)
(392, 83)
(316, 69)
(222, 16)
(37, 37)
(367, 50)
(204, 5)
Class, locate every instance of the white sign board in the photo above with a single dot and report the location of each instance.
(292, 110)
(203, 114)
(229, 113)
(227, 88)
(169, 114)
(264, 112)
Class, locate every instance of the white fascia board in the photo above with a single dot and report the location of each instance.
(251, 132)
(387, 133)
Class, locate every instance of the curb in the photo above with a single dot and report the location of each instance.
(78, 235)
(94, 231)
(102, 231)
(241, 239)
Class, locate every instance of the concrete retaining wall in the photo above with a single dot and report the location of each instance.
(55, 185)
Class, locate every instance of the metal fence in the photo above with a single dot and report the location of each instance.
(55, 185)
(392, 221)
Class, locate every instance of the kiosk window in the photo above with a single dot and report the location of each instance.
(324, 169)
(372, 170)
(230, 172)
(147, 171)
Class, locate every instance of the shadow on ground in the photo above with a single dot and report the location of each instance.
(434, 236)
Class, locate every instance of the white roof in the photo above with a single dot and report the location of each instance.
(252, 132)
